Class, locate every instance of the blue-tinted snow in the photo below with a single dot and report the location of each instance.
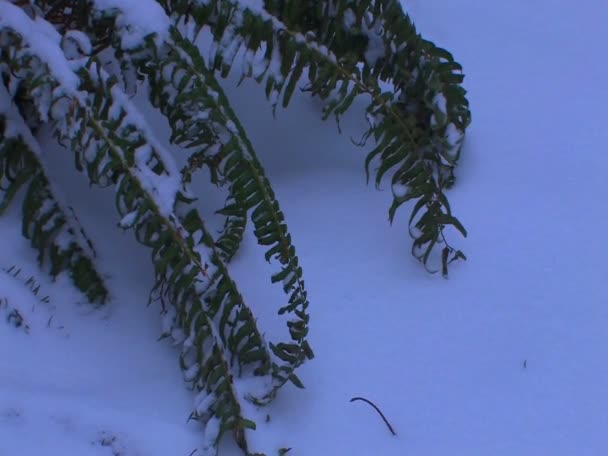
(506, 357)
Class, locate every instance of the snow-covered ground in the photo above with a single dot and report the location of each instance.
(506, 357)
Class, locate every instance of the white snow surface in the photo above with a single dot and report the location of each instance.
(506, 357)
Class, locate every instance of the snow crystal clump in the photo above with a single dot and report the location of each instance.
(76, 44)
(349, 18)
(135, 26)
(212, 431)
(127, 220)
(400, 190)
(191, 373)
(203, 402)
(454, 135)
(42, 39)
(168, 320)
(440, 102)
(375, 45)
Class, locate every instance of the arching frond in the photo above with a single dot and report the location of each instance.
(417, 110)
(201, 119)
(90, 114)
(52, 229)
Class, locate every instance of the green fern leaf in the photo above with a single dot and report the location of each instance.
(351, 47)
(199, 104)
(54, 232)
(147, 183)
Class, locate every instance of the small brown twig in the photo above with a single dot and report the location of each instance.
(390, 428)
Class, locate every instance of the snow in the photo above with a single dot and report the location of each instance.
(192, 371)
(349, 18)
(128, 220)
(506, 357)
(80, 42)
(375, 45)
(134, 24)
(400, 190)
(15, 127)
(42, 39)
(203, 401)
(440, 102)
(63, 390)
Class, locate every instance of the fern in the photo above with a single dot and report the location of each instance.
(52, 230)
(216, 330)
(175, 259)
(342, 50)
(418, 125)
(187, 93)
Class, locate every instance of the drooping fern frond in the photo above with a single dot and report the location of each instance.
(90, 114)
(234, 228)
(352, 48)
(51, 228)
(202, 121)
(341, 50)
(426, 107)
(250, 191)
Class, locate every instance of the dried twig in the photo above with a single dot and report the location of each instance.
(390, 428)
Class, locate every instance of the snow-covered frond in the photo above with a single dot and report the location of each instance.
(113, 142)
(234, 228)
(52, 229)
(186, 91)
(417, 107)
(418, 124)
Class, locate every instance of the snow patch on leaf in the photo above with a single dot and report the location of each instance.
(137, 20)
(400, 190)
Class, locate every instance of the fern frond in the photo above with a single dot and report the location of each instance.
(200, 116)
(52, 230)
(252, 191)
(426, 109)
(354, 48)
(234, 228)
(90, 114)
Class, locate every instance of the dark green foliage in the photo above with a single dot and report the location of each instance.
(417, 126)
(217, 331)
(61, 244)
(343, 50)
(203, 122)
